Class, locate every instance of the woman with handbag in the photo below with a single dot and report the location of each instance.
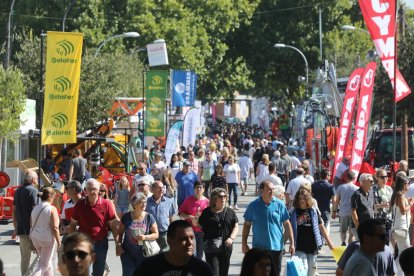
(308, 229)
(220, 227)
(136, 228)
(44, 232)
(401, 213)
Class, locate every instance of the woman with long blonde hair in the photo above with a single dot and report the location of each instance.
(121, 200)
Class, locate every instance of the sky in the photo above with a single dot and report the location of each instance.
(410, 3)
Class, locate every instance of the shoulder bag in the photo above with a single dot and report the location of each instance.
(150, 248)
(31, 229)
(215, 245)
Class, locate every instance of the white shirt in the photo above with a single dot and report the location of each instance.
(245, 164)
(340, 170)
(295, 184)
(274, 179)
(231, 173)
(295, 162)
(410, 192)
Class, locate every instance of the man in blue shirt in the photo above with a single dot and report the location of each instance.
(185, 182)
(268, 215)
(162, 208)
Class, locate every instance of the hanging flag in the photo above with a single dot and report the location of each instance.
(184, 88)
(189, 128)
(173, 141)
(63, 65)
(363, 117)
(380, 19)
(155, 92)
(351, 95)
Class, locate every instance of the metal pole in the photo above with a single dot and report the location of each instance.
(394, 105)
(320, 33)
(66, 13)
(143, 115)
(41, 69)
(8, 38)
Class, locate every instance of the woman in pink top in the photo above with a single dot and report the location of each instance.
(191, 210)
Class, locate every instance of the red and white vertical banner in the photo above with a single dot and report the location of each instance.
(380, 17)
(363, 117)
(351, 96)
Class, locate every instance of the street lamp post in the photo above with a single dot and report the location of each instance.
(128, 34)
(353, 28)
(280, 45)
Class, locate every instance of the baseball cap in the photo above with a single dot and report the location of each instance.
(186, 163)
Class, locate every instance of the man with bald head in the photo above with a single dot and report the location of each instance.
(25, 198)
(94, 215)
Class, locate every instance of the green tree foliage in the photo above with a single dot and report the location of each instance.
(102, 79)
(12, 102)
(295, 23)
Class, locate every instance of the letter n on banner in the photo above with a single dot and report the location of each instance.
(63, 64)
(155, 92)
(363, 117)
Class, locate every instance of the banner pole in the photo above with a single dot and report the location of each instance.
(143, 114)
(394, 105)
(41, 70)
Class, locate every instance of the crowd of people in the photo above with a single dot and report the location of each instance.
(187, 206)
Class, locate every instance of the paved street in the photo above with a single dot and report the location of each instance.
(9, 251)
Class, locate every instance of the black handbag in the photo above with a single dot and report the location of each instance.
(215, 245)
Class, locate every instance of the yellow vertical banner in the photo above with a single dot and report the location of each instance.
(63, 66)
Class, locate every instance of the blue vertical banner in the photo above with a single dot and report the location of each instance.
(184, 88)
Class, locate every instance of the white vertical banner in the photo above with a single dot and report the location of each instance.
(243, 109)
(189, 128)
(173, 141)
(227, 110)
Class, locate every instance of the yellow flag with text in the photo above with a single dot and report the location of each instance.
(63, 65)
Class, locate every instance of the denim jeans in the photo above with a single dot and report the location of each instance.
(130, 263)
(309, 259)
(232, 189)
(101, 249)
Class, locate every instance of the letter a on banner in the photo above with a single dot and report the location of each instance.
(380, 18)
(351, 96)
(363, 117)
(63, 64)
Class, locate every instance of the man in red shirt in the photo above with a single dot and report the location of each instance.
(93, 215)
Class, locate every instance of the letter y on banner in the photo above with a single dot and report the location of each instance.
(379, 16)
(363, 117)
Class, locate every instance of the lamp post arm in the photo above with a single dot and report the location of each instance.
(105, 41)
(304, 58)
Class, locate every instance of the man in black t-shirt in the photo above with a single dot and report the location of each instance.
(324, 193)
(179, 260)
